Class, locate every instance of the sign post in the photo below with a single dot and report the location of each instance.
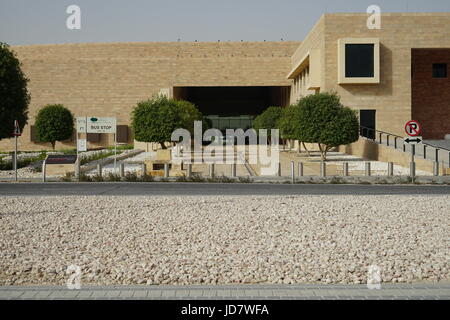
(16, 134)
(81, 145)
(413, 129)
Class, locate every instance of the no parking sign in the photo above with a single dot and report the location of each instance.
(413, 128)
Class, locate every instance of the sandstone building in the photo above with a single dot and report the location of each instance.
(390, 75)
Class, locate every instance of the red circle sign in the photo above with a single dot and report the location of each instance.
(412, 128)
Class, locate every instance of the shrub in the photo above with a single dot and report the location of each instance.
(14, 97)
(113, 177)
(268, 119)
(154, 120)
(325, 121)
(131, 177)
(54, 123)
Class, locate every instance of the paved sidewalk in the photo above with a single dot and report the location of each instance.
(439, 291)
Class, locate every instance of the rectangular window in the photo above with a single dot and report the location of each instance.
(439, 70)
(359, 60)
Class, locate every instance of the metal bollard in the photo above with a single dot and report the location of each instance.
(367, 168)
(435, 168)
(279, 170)
(292, 172)
(166, 170)
(300, 169)
(211, 170)
(323, 169)
(143, 169)
(390, 169)
(189, 170)
(345, 169)
(99, 170)
(44, 167)
(122, 169)
(412, 169)
(233, 170)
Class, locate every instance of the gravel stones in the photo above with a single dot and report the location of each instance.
(224, 240)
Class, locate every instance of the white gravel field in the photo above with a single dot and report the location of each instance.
(224, 240)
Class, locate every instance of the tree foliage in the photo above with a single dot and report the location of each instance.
(288, 122)
(54, 123)
(154, 120)
(268, 119)
(14, 97)
(325, 121)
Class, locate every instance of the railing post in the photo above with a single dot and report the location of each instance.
(166, 170)
(395, 142)
(189, 170)
(345, 169)
(387, 140)
(292, 172)
(300, 169)
(211, 170)
(44, 167)
(122, 169)
(279, 170)
(435, 168)
(367, 168)
(143, 169)
(425, 151)
(381, 140)
(390, 169)
(323, 169)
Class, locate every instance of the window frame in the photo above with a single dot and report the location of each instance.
(342, 79)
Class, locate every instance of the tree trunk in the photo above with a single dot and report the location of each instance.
(163, 146)
(53, 145)
(323, 152)
(307, 151)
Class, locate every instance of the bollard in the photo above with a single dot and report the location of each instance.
(300, 169)
(435, 168)
(390, 169)
(189, 170)
(367, 168)
(166, 170)
(99, 170)
(345, 169)
(323, 169)
(233, 170)
(143, 169)
(122, 169)
(412, 169)
(211, 170)
(77, 169)
(292, 172)
(44, 167)
(279, 170)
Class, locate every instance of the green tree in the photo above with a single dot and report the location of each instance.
(325, 121)
(54, 123)
(14, 97)
(268, 119)
(154, 120)
(189, 114)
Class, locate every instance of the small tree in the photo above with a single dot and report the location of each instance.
(325, 121)
(54, 123)
(268, 119)
(189, 114)
(154, 120)
(14, 97)
(288, 122)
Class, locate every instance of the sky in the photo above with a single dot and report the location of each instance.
(24, 22)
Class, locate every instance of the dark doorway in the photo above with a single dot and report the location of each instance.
(367, 123)
(233, 107)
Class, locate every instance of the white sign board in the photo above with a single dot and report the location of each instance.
(413, 140)
(82, 145)
(81, 124)
(101, 125)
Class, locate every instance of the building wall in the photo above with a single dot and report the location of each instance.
(399, 33)
(431, 96)
(109, 79)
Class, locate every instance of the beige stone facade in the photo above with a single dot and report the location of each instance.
(109, 79)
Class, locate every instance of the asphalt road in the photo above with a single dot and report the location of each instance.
(188, 189)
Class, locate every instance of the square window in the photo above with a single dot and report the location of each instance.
(439, 70)
(359, 60)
